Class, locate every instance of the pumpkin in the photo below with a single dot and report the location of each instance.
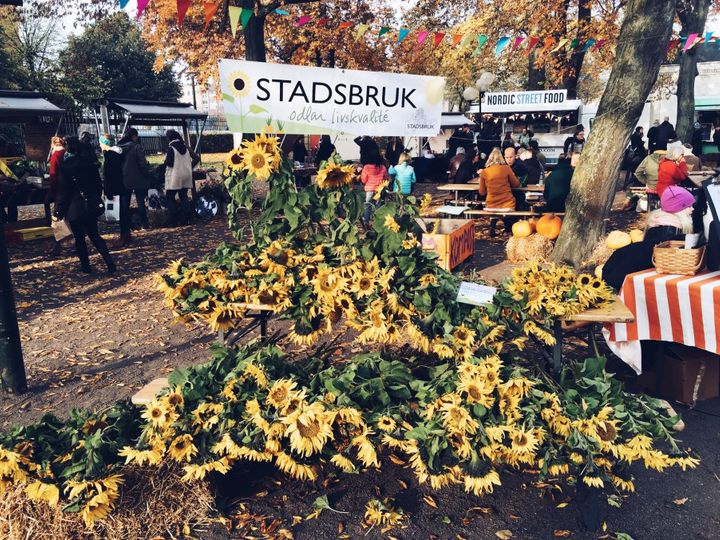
(521, 229)
(598, 271)
(617, 239)
(533, 224)
(549, 226)
(636, 235)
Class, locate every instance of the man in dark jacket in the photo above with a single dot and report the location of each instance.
(114, 185)
(652, 136)
(136, 173)
(368, 148)
(557, 186)
(665, 133)
(697, 139)
(575, 143)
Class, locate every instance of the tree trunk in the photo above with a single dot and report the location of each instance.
(578, 55)
(254, 34)
(634, 72)
(692, 14)
(536, 76)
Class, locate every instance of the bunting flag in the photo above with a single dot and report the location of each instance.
(302, 20)
(383, 30)
(560, 45)
(345, 25)
(245, 15)
(518, 42)
(599, 44)
(467, 39)
(323, 21)
(439, 36)
(574, 43)
(123, 3)
(361, 29)
(531, 45)
(282, 12)
(402, 34)
(182, 7)
(590, 43)
(501, 44)
(210, 9)
(708, 37)
(457, 38)
(690, 42)
(234, 12)
(482, 39)
(422, 36)
(549, 42)
(673, 43)
(142, 4)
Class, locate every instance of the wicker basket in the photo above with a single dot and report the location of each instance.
(671, 257)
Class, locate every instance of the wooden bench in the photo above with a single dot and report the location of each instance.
(148, 392)
(495, 215)
(260, 318)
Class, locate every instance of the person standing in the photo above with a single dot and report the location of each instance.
(557, 186)
(114, 185)
(394, 150)
(136, 174)
(653, 137)
(373, 174)
(57, 154)
(665, 133)
(368, 148)
(672, 170)
(697, 139)
(404, 174)
(79, 201)
(324, 151)
(525, 138)
(575, 143)
(179, 163)
(508, 142)
(299, 151)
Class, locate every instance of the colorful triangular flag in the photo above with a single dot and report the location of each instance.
(210, 9)
(437, 39)
(671, 45)
(302, 20)
(560, 45)
(361, 29)
(282, 12)
(457, 38)
(383, 30)
(482, 39)
(599, 44)
(323, 21)
(690, 42)
(518, 42)
(574, 43)
(531, 44)
(234, 13)
(245, 16)
(402, 34)
(345, 25)
(549, 42)
(142, 4)
(708, 37)
(182, 7)
(501, 44)
(590, 43)
(422, 36)
(123, 3)
(467, 39)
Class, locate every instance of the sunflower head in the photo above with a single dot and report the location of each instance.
(239, 84)
(334, 175)
(257, 161)
(234, 161)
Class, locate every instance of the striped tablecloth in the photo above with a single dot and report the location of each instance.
(682, 309)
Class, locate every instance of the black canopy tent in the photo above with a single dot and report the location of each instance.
(152, 113)
(37, 115)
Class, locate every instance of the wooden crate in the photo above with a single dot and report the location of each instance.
(148, 392)
(452, 239)
(33, 233)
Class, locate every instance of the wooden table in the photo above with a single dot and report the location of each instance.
(473, 186)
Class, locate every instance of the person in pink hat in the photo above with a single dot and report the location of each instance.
(672, 221)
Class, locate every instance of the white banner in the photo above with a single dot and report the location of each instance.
(518, 102)
(299, 99)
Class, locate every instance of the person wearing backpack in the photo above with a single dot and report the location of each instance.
(79, 201)
(404, 174)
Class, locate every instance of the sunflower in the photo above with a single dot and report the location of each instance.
(623, 484)
(457, 418)
(40, 491)
(343, 463)
(366, 451)
(428, 279)
(98, 507)
(390, 224)
(558, 469)
(425, 202)
(239, 83)
(593, 481)
(280, 393)
(308, 429)
(464, 336)
(476, 391)
(222, 319)
(296, 470)
(377, 513)
(479, 485)
(151, 456)
(386, 424)
(234, 161)
(195, 472)
(175, 398)
(523, 442)
(327, 284)
(334, 176)
(157, 414)
(182, 448)
(271, 145)
(257, 161)
(364, 285)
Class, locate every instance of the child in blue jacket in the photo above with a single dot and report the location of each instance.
(404, 174)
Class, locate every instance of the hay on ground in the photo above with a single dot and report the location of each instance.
(153, 503)
(531, 248)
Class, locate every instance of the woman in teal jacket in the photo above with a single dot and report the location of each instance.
(404, 174)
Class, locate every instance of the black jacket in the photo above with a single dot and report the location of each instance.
(367, 148)
(180, 147)
(113, 173)
(665, 133)
(79, 190)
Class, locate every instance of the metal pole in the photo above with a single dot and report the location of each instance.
(192, 79)
(12, 367)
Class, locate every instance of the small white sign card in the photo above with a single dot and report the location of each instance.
(452, 210)
(475, 294)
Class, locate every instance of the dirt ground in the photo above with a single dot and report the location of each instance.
(91, 340)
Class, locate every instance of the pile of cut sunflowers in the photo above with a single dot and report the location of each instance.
(455, 393)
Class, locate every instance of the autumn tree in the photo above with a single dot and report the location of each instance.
(642, 41)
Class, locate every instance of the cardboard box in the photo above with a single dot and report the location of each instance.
(679, 374)
(452, 239)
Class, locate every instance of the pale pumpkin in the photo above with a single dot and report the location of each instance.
(521, 229)
(636, 235)
(549, 226)
(617, 239)
(598, 271)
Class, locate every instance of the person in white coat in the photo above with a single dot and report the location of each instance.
(179, 163)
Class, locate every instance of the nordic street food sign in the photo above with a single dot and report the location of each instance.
(300, 99)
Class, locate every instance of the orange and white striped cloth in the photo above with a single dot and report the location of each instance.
(667, 307)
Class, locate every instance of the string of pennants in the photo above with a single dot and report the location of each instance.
(241, 16)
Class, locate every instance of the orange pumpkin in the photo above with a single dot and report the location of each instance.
(549, 226)
(533, 224)
(521, 229)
